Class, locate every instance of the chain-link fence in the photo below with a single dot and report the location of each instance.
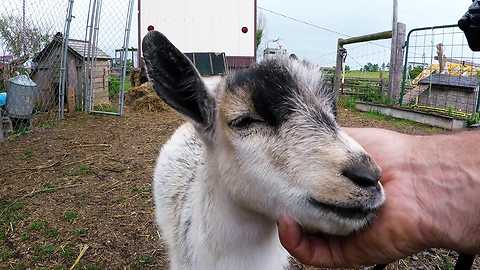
(29, 61)
(60, 56)
(441, 72)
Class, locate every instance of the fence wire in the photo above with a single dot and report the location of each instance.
(27, 28)
(68, 60)
(366, 71)
(441, 72)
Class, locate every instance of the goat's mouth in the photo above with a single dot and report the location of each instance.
(344, 211)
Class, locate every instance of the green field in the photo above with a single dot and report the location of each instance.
(365, 75)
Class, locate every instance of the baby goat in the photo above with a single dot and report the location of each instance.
(263, 143)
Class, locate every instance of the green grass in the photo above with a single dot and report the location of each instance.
(143, 262)
(41, 252)
(5, 254)
(81, 170)
(12, 212)
(28, 154)
(70, 216)
(80, 232)
(366, 75)
(39, 225)
(68, 252)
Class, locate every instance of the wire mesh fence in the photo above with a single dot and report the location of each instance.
(366, 70)
(27, 43)
(441, 72)
(60, 56)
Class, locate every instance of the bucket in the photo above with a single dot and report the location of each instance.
(3, 99)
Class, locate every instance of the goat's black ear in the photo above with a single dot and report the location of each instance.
(176, 80)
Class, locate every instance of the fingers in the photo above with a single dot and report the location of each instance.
(309, 251)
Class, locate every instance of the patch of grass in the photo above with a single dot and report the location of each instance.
(366, 75)
(147, 189)
(447, 263)
(19, 266)
(48, 188)
(348, 102)
(142, 262)
(91, 267)
(68, 253)
(70, 216)
(5, 254)
(51, 232)
(25, 236)
(28, 154)
(12, 213)
(41, 252)
(48, 125)
(106, 108)
(38, 225)
(80, 170)
(80, 232)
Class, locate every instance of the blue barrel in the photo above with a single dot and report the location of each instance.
(3, 99)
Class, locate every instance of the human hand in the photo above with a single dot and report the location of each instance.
(402, 227)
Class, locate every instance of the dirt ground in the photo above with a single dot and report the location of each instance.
(83, 187)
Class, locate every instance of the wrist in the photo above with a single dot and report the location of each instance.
(447, 193)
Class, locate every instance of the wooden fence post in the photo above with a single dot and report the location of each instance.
(338, 67)
(397, 59)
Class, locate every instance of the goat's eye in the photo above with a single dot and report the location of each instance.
(243, 122)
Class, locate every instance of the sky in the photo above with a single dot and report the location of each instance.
(353, 18)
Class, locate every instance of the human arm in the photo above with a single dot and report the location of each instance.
(433, 200)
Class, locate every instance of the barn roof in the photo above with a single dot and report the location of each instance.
(75, 46)
(453, 81)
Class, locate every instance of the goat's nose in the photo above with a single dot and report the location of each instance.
(362, 174)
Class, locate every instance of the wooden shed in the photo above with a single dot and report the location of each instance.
(47, 72)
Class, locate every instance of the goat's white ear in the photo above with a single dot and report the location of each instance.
(176, 80)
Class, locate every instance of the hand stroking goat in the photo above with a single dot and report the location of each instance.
(263, 143)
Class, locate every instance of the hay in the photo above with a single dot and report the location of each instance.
(144, 99)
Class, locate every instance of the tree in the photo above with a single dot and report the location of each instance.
(347, 68)
(22, 39)
(259, 34)
(371, 67)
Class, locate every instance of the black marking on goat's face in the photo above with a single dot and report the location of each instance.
(277, 91)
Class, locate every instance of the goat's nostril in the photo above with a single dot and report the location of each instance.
(362, 175)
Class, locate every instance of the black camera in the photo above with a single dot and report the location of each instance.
(470, 24)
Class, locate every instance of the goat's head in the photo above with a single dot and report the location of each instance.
(271, 133)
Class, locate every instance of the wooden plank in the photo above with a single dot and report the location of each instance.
(397, 68)
(338, 68)
(71, 84)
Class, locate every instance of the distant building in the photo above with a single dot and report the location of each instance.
(46, 73)
(205, 27)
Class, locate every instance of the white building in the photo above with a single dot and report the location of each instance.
(205, 26)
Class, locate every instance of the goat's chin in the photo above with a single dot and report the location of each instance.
(336, 226)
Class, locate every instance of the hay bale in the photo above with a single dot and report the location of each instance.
(150, 103)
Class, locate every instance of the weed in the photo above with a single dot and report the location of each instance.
(28, 154)
(39, 225)
(473, 120)
(11, 213)
(25, 237)
(5, 254)
(80, 232)
(51, 232)
(447, 263)
(143, 262)
(42, 252)
(68, 252)
(91, 267)
(106, 108)
(19, 266)
(48, 188)
(141, 189)
(70, 216)
(81, 170)
(48, 125)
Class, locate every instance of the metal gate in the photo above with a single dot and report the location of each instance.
(441, 73)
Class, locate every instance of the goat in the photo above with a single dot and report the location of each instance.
(263, 143)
